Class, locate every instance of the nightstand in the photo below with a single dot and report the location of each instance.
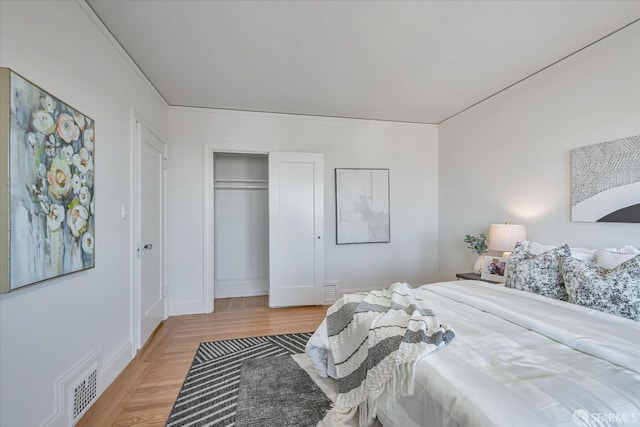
(474, 276)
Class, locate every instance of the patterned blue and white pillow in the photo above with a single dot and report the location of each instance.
(615, 291)
(539, 274)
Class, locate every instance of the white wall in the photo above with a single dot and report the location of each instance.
(45, 330)
(507, 159)
(408, 150)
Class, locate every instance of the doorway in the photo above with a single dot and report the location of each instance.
(241, 225)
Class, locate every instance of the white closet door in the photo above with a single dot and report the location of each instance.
(296, 229)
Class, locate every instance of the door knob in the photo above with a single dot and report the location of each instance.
(148, 246)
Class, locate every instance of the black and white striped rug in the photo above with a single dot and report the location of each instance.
(209, 394)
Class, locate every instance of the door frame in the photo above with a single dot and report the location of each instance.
(208, 150)
(135, 221)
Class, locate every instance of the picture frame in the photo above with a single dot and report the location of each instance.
(47, 174)
(495, 268)
(362, 206)
(605, 181)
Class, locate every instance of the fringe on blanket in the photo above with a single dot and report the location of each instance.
(400, 384)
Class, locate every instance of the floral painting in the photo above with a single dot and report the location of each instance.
(51, 192)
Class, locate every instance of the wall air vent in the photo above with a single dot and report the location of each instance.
(330, 292)
(84, 393)
(77, 390)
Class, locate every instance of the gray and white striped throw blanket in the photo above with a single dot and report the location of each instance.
(376, 341)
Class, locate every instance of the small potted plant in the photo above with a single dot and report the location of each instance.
(478, 246)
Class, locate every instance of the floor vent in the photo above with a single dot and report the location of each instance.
(84, 393)
(330, 292)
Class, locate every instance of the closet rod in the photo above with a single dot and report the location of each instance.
(239, 180)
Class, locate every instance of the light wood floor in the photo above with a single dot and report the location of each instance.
(144, 393)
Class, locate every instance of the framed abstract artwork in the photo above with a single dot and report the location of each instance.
(362, 206)
(605, 181)
(47, 197)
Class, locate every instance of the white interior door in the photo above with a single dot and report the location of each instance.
(296, 229)
(152, 295)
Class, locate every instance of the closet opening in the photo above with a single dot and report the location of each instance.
(241, 226)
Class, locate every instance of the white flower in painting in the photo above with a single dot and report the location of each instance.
(42, 170)
(31, 138)
(43, 122)
(67, 128)
(83, 160)
(75, 183)
(38, 195)
(67, 153)
(92, 206)
(35, 139)
(48, 103)
(87, 179)
(84, 196)
(77, 220)
(79, 119)
(87, 139)
(51, 146)
(55, 217)
(59, 179)
(87, 243)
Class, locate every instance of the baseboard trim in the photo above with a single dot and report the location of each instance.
(114, 366)
(186, 307)
(241, 287)
(57, 419)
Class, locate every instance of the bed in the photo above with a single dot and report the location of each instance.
(518, 359)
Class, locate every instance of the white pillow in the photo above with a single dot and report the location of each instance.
(629, 250)
(583, 254)
(537, 248)
(610, 260)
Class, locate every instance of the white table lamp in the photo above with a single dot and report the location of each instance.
(503, 237)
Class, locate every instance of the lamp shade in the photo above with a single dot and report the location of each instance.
(503, 237)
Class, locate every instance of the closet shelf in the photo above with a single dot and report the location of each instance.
(240, 184)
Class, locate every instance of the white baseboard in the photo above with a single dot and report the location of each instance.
(241, 287)
(57, 419)
(186, 307)
(114, 366)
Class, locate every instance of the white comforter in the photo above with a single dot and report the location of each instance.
(522, 360)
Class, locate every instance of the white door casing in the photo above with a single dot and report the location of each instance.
(296, 229)
(150, 289)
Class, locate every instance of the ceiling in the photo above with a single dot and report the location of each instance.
(409, 61)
